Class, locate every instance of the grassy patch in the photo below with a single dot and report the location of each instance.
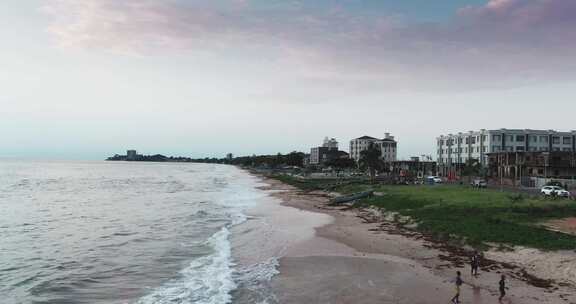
(343, 187)
(474, 216)
(480, 216)
(306, 185)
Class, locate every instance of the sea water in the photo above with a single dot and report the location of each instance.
(126, 232)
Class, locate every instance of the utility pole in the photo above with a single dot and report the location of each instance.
(501, 170)
(546, 159)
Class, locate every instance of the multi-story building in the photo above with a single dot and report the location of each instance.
(327, 152)
(454, 150)
(331, 143)
(515, 165)
(387, 145)
(413, 168)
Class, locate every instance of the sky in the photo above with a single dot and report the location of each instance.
(88, 79)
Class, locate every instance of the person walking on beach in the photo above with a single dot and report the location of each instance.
(502, 287)
(458, 282)
(474, 263)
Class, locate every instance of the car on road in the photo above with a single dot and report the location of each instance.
(479, 183)
(554, 191)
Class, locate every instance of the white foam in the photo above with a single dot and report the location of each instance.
(207, 280)
(212, 278)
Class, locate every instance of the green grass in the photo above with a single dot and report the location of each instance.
(322, 184)
(479, 216)
(306, 185)
(476, 217)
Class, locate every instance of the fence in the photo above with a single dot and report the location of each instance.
(539, 182)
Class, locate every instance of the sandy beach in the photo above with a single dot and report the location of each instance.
(356, 256)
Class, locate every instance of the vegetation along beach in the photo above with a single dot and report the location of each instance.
(435, 229)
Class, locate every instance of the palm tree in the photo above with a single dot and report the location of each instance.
(370, 160)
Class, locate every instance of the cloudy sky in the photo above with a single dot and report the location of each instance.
(85, 79)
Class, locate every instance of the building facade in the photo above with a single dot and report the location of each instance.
(454, 150)
(413, 169)
(515, 165)
(328, 151)
(387, 145)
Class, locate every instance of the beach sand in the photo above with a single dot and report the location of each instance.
(355, 259)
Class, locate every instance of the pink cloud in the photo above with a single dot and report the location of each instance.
(548, 13)
(503, 43)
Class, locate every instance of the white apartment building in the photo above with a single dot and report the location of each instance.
(331, 143)
(457, 148)
(387, 145)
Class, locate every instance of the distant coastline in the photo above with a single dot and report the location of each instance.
(266, 162)
(150, 158)
(132, 155)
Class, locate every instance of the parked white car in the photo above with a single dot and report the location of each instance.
(550, 190)
(479, 183)
(436, 179)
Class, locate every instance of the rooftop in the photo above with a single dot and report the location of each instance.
(373, 138)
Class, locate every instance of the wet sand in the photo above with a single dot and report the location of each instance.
(356, 259)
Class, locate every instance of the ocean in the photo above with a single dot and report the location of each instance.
(128, 232)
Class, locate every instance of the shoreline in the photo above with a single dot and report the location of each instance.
(380, 263)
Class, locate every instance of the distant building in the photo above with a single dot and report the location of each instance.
(454, 150)
(327, 152)
(229, 156)
(331, 143)
(412, 169)
(131, 155)
(515, 165)
(387, 145)
(306, 160)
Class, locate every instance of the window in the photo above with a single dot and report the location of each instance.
(533, 138)
(496, 138)
(519, 148)
(467, 140)
(484, 137)
(567, 140)
(510, 138)
(540, 171)
(544, 139)
(473, 138)
(483, 149)
(459, 140)
(556, 140)
(520, 138)
(495, 149)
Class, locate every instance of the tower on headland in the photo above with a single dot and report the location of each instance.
(131, 154)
